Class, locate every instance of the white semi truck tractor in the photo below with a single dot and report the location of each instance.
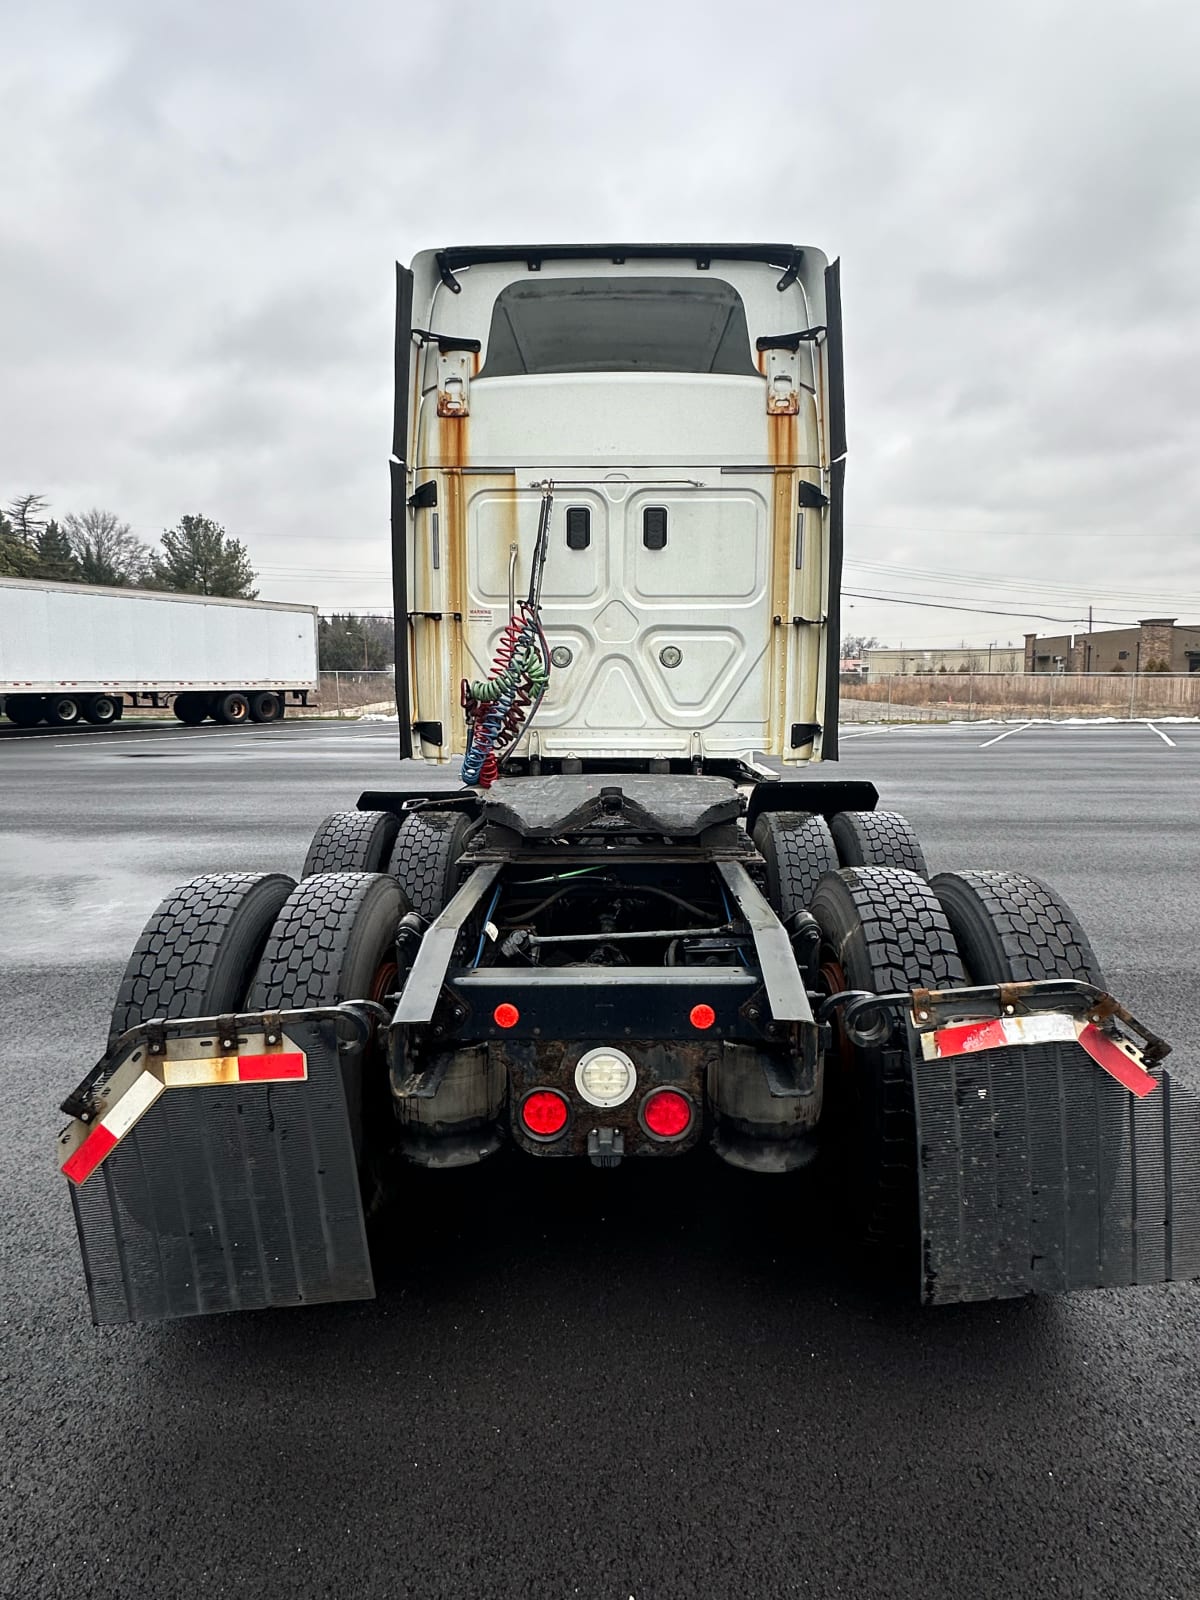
(72, 652)
(646, 926)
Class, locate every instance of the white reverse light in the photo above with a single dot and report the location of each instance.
(605, 1077)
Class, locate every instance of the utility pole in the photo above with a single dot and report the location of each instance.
(1087, 655)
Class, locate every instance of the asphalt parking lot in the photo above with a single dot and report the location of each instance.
(604, 1384)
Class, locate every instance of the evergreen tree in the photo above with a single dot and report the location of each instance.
(25, 516)
(55, 560)
(199, 557)
(354, 644)
(16, 558)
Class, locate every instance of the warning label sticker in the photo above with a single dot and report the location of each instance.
(481, 614)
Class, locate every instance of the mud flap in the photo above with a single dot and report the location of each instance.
(1039, 1173)
(229, 1197)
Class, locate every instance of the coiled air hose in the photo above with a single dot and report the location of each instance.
(500, 708)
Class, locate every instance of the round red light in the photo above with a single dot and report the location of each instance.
(544, 1113)
(667, 1113)
(703, 1016)
(506, 1015)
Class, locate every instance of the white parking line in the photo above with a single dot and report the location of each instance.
(1161, 735)
(298, 733)
(1006, 735)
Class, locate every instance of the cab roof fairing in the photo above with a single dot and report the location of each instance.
(433, 269)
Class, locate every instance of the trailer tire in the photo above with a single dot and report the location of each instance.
(25, 710)
(266, 706)
(798, 851)
(425, 858)
(63, 710)
(877, 839)
(882, 930)
(231, 709)
(191, 709)
(335, 940)
(352, 841)
(200, 949)
(1010, 928)
(102, 709)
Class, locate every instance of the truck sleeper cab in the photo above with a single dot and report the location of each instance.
(686, 404)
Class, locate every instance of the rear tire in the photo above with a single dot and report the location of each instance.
(882, 930)
(798, 851)
(352, 841)
(877, 839)
(425, 858)
(1011, 929)
(335, 940)
(191, 709)
(102, 709)
(231, 709)
(25, 710)
(63, 710)
(198, 952)
(267, 706)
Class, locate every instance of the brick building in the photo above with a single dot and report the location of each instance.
(1157, 644)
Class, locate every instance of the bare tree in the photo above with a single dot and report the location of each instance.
(855, 645)
(106, 549)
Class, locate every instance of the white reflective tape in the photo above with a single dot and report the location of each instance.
(132, 1105)
(997, 1033)
(196, 1074)
(1047, 1027)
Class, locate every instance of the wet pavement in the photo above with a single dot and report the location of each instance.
(612, 1384)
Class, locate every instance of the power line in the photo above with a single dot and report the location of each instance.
(979, 611)
(1030, 585)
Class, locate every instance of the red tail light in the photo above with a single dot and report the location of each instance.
(702, 1016)
(544, 1113)
(666, 1113)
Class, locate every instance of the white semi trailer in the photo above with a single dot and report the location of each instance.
(70, 652)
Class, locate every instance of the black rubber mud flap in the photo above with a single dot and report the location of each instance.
(1040, 1174)
(229, 1198)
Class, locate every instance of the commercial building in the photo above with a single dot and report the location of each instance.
(966, 658)
(1157, 644)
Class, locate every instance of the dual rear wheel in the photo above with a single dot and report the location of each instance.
(237, 941)
(264, 705)
(886, 929)
(62, 710)
(422, 852)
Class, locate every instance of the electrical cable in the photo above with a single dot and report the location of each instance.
(500, 708)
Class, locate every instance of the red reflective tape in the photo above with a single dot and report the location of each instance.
(90, 1154)
(1115, 1062)
(968, 1037)
(285, 1064)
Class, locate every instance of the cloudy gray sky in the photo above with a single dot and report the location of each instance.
(200, 206)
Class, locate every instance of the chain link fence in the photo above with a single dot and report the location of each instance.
(354, 694)
(1017, 696)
